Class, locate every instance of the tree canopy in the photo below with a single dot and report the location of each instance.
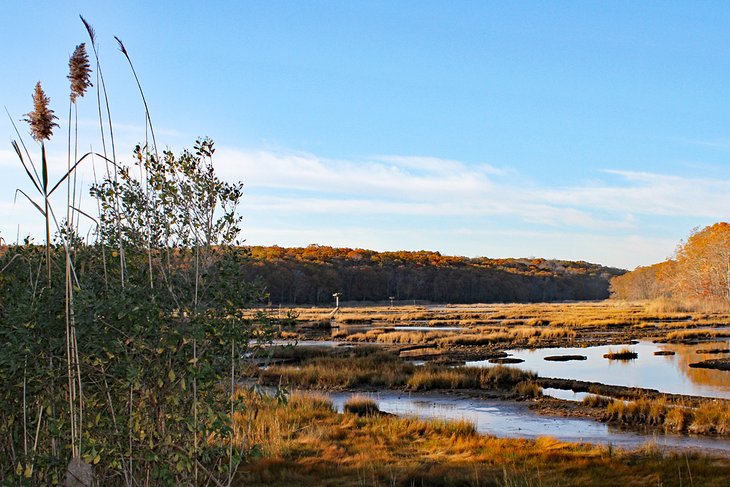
(700, 269)
(309, 275)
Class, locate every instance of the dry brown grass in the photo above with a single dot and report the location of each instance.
(611, 313)
(368, 336)
(596, 401)
(473, 339)
(681, 335)
(372, 368)
(432, 377)
(387, 370)
(709, 417)
(518, 335)
(710, 306)
(528, 388)
(412, 337)
(303, 442)
(623, 353)
(361, 406)
(520, 325)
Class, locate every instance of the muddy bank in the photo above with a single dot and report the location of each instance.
(620, 392)
(564, 358)
(715, 364)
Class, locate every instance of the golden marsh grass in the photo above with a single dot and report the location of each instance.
(305, 442)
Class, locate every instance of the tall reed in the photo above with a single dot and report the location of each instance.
(162, 327)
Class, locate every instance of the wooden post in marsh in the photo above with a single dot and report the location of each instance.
(337, 305)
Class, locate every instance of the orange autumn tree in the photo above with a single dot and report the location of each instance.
(645, 282)
(700, 270)
(703, 264)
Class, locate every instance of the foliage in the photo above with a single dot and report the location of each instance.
(311, 274)
(130, 367)
(700, 270)
(158, 346)
(642, 282)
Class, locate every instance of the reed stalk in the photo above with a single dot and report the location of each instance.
(102, 83)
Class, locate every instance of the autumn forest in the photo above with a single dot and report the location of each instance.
(312, 274)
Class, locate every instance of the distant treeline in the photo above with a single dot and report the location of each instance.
(312, 274)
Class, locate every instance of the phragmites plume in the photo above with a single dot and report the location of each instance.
(79, 72)
(41, 119)
(89, 29)
(121, 47)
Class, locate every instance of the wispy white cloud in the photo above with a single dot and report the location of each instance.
(723, 144)
(447, 205)
(381, 176)
(410, 185)
(91, 126)
(649, 194)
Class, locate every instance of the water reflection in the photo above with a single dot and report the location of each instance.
(666, 373)
(516, 420)
(566, 395)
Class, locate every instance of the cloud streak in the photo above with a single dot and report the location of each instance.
(412, 185)
(410, 202)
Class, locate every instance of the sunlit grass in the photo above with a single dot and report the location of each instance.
(361, 405)
(303, 442)
(681, 335)
(709, 417)
(387, 370)
(624, 353)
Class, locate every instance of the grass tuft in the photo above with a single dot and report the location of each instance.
(624, 353)
(361, 406)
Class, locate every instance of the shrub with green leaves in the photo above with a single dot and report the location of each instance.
(121, 355)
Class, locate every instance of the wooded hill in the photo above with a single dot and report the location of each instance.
(310, 275)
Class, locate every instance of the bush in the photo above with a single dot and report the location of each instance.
(123, 352)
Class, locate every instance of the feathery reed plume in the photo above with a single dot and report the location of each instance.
(89, 29)
(41, 119)
(79, 72)
(121, 47)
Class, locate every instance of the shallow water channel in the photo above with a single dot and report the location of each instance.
(666, 373)
(516, 420)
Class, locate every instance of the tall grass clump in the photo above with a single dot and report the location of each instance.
(680, 335)
(377, 369)
(122, 351)
(709, 417)
(361, 406)
(432, 377)
(624, 353)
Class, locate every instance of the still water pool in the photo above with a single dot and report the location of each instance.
(665, 373)
(516, 420)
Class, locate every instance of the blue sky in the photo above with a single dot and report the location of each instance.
(581, 130)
